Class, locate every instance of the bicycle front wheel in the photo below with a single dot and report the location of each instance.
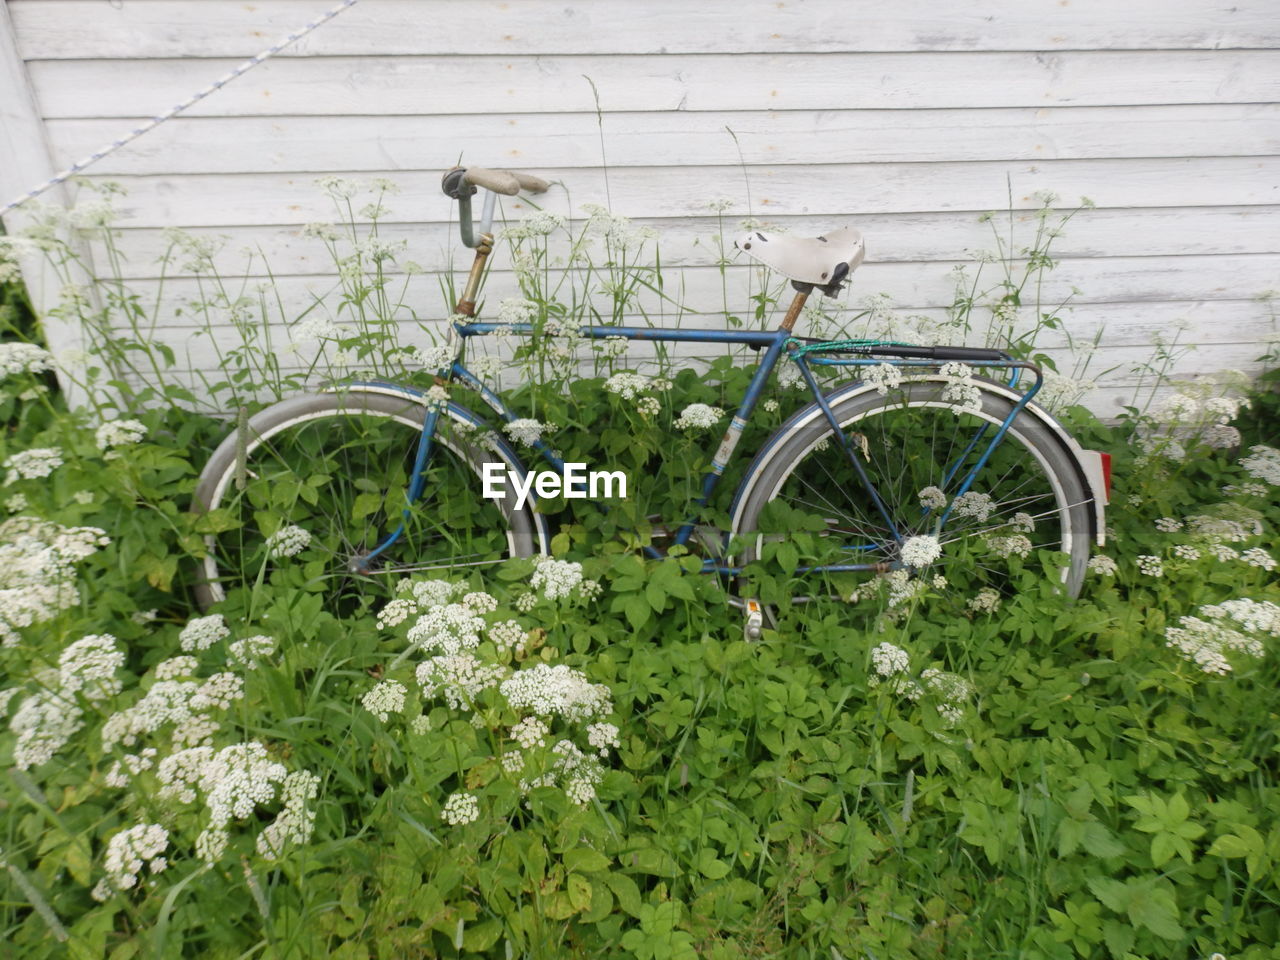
(310, 487)
(916, 448)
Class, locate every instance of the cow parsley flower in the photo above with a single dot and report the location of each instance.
(288, 541)
(932, 498)
(1168, 525)
(888, 659)
(602, 736)
(89, 666)
(508, 635)
(460, 808)
(44, 723)
(119, 433)
(460, 678)
(1263, 463)
(1016, 544)
(960, 390)
(526, 431)
(32, 464)
(203, 632)
(248, 652)
(449, 629)
(1258, 557)
(385, 699)
(973, 504)
(698, 416)
(921, 551)
(16, 357)
(515, 310)
(884, 377)
(1150, 566)
(237, 779)
(627, 385)
(130, 849)
(530, 732)
(987, 600)
(560, 690)
(180, 772)
(556, 578)
(183, 666)
(294, 823)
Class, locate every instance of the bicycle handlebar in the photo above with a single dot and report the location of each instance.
(507, 182)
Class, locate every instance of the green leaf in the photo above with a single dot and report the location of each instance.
(637, 610)
(1157, 911)
(1229, 845)
(579, 892)
(365, 504)
(1099, 841)
(625, 889)
(585, 860)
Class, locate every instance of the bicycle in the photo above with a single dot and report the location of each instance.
(384, 478)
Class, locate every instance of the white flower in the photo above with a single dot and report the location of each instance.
(32, 464)
(247, 652)
(128, 850)
(1263, 463)
(1184, 551)
(960, 389)
(480, 602)
(921, 551)
(203, 632)
(183, 666)
(460, 808)
(1168, 525)
(508, 635)
(1258, 557)
(1008, 546)
(932, 498)
(211, 844)
(119, 433)
(560, 690)
(973, 504)
(459, 677)
(698, 416)
(217, 692)
(450, 629)
(293, 825)
(1221, 436)
(515, 310)
(288, 541)
(526, 431)
(237, 779)
(556, 578)
(18, 358)
(396, 612)
(884, 377)
(45, 722)
(88, 667)
(650, 407)
(530, 732)
(771, 406)
(384, 699)
(1150, 566)
(987, 600)
(602, 736)
(888, 659)
(627, 385)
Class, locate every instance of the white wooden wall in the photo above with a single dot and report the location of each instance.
(906, 120)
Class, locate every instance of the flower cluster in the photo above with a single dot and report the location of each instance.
(37, 572)
(698, 416)
(32, 464)
(1233, 626)
(921, 551)
(959, 389)
(119, 433)
(521, 706)
(17, 357)
(526, 431)
(1263, 463)
(288, 541)
(127, 851)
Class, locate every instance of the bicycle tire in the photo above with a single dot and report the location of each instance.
(910, 439)
(337, 465)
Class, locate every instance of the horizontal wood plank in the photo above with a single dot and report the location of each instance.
(163, 28)
(662, 192)
(414, 86)
(923, 237)
(359, 144)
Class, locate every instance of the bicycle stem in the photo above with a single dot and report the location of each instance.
(467, 304)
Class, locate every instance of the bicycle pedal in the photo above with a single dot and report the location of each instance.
(754, 626)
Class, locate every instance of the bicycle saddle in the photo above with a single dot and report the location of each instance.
(824, 261)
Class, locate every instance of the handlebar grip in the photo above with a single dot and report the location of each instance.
(499, 181)
(912, 351)
(530, 183)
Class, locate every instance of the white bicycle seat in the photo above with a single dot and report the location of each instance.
(815, 260)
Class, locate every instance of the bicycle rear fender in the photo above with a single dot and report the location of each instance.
(462, 415)
(1089, 463)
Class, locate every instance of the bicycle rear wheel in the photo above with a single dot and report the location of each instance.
(803, 503)
(313, 484)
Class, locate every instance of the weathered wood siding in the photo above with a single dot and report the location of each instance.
(905, 120)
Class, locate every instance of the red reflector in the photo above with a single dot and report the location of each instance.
(1106, 472)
